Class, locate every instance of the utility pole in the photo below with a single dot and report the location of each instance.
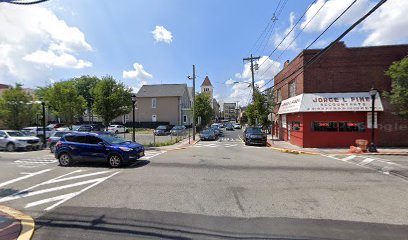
(193, 93)
(252, 71)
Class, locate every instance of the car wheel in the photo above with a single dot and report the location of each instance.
(114, 161)
(10, 147)
(116, 132)
(52, 148)
(65, 159)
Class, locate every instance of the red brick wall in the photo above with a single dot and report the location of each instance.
(344, 69)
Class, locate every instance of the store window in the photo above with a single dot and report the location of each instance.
(279, 95)
(351, 127)
(292, 88)
(324, 126)
(296, 126)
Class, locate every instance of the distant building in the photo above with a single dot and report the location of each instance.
(230, 111)
(207, 88)
(163, 103)
(3, 87)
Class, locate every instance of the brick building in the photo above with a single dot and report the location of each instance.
(328, 104)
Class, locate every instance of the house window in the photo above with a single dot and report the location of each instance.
(153, 102)
(324, 126)
(292, 88)
(184, 119)
(279, 95)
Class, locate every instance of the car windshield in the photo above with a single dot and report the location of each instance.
(207, 131)
(59, 134)
(16, 134)
(178, 128)
(254, 130)
(161, 127)
(112, 139)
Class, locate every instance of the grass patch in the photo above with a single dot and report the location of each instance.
(165, 143)
(142, 131)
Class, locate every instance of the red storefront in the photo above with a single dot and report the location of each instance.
(327, 119)
(328, 104)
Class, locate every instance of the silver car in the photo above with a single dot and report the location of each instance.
(10, 140)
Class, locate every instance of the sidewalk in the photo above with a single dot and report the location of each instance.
(284, 146)
(15, 224)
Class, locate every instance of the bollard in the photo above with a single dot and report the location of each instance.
(154, 140)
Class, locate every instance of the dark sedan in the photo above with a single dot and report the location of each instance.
(229, 127)
(208, 134)
(254, 135)
(54, 138)
(162, 130)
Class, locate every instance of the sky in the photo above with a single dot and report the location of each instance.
(157, 41)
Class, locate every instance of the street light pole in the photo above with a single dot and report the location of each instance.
(43, 122)
(193, 93)
(373, 93)
(133, 122)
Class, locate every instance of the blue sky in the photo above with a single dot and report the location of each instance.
(67, 38)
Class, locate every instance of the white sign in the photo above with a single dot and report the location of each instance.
(369, 120)
(330, 102)
(284, 121)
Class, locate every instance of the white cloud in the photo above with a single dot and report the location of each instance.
(29, 35)
(331, 11)
(287, 43)
(388, 24)
(161, 34)
(241, 92)
(50, 59)
(137, 73)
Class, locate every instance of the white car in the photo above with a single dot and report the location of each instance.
(237, 126)
(38, 131)
(10, 140)
(117, 129)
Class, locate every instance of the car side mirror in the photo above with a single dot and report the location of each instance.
(101, 144)
(5, 137)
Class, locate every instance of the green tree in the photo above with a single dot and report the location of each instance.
(17, 108)
(111, 99)
(258, 111)
(84, 85)
(64, 101)
(202, 108)
(398, 72)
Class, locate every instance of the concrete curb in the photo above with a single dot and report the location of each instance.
(284, 150)
(27, 222)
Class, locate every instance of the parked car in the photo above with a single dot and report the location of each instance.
(178, 130)
(38, 131)
(254, 135)
(217, 131)
(217, 128)
(229, 127)
(106, 148)
(162, 130)
(208, 134)
(237, 126)
(55, 125)
(11, 140)
(118, 129)
(54, 138)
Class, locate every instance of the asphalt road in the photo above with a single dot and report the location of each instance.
(212, 190)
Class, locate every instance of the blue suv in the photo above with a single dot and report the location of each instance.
(97, 147)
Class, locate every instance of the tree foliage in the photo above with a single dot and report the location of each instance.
(257, 112)
(202, 108)
(17, 109)
(111, 99)
(398, 72)
(84, 85)
(64, 100)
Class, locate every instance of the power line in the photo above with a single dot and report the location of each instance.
(23, 2)
(297, 35)
(323, 51)
(287, 34)
(331, 24)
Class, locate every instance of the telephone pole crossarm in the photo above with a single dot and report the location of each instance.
(251, 59)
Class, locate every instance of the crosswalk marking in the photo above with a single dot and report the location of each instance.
(151, 154)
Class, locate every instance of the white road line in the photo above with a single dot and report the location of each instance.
(28, 175)
(22, 194)
(366, 161)
(75, 177)
(66, 197)
(348, 158)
